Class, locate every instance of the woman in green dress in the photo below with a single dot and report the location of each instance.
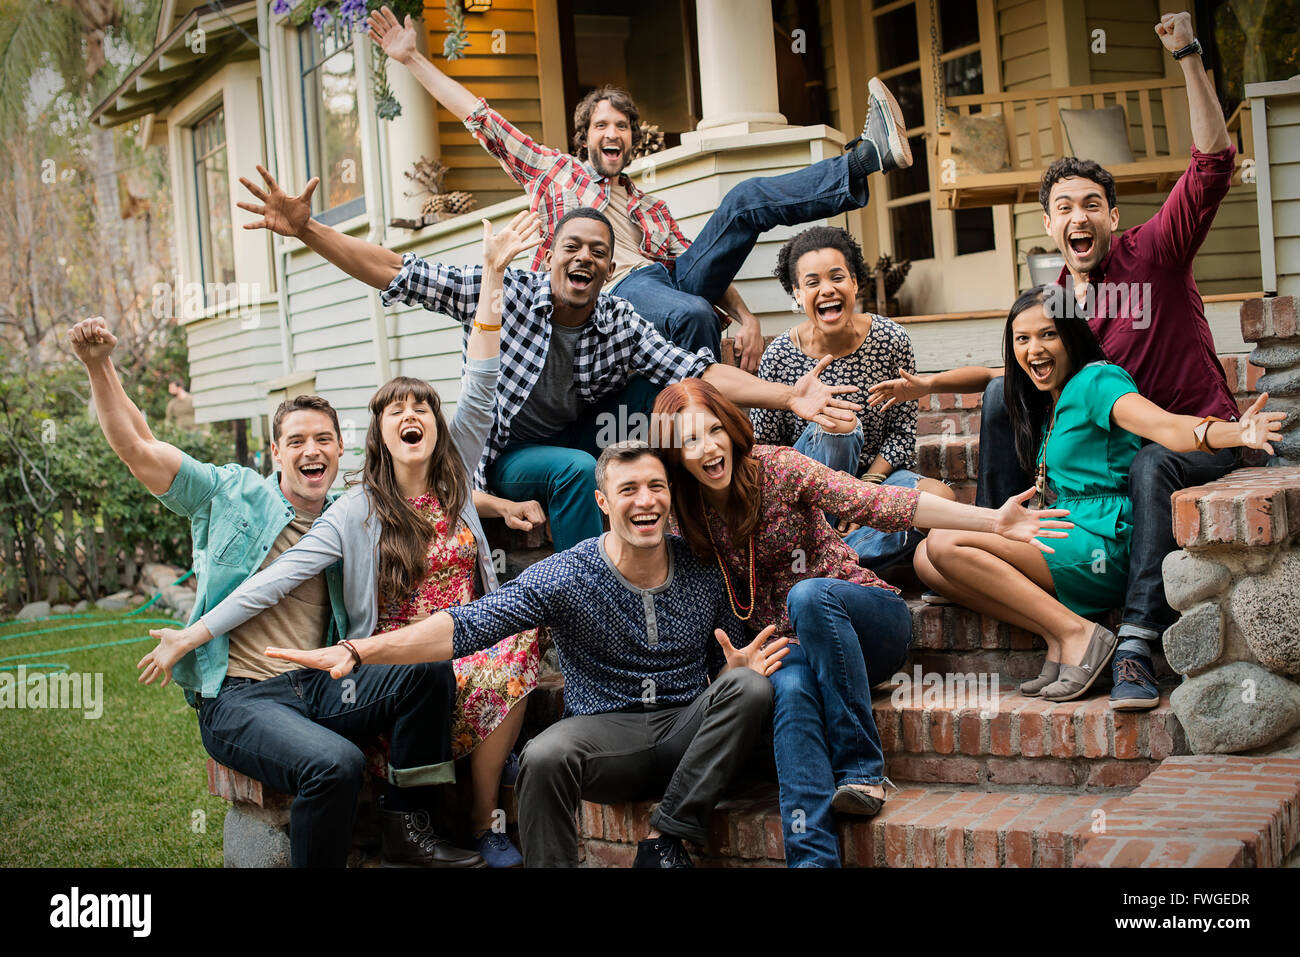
(1078, 421)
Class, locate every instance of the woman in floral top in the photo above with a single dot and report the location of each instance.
(759, 512)
(822, 269)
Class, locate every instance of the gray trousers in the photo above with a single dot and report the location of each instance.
(689, 754)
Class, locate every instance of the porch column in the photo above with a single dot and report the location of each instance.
(411, 135)
(737, 63)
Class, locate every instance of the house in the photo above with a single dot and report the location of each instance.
(739, 87)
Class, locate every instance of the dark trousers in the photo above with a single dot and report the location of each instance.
(679, 303)
(560, 470)
(301, 732)
(689, 754)
(1155, 475)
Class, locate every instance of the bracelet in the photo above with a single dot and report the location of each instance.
(479, 325)
(1202, 432)
(356, 656)
(1193, 47)
(875, 478)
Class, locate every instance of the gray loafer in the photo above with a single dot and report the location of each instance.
(1075, 680)
(1034, 686)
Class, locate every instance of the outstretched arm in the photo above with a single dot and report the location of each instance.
(1256, 429)
(809, 398)
(398, 41)
(291, 216)
(427, 640)
(152, 462)
(1209, 131)
(911, 386)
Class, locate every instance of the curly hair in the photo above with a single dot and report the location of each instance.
(620, 100)
(1068, 166)
(811, 240)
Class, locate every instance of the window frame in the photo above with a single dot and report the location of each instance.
(202, 203)
(306, 34)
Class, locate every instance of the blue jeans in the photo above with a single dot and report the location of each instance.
(679, 303)
(559, 471)
(850, 637)
(876, 550)
(301, 733)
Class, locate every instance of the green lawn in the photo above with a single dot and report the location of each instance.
(127, 789)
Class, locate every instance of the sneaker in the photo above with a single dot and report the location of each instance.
(665, 851)
(883, 142)
(932, 597)
(510, 772)
(497, 850)
(409, 841)
(1135, 684)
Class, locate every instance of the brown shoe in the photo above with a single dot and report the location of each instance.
(1075, 680)
(409, 841)
(1034, 686)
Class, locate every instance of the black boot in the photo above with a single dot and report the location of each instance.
(663, 851)
(409, 841)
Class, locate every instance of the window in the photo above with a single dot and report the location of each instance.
(212, 195)
(332, 121)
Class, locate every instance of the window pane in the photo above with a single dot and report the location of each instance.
(216, 233)
(959, 22)
(896, 41)
(914, 179)
(974, 229)
(910, 225)
(963, 75)
(332, 120)
(906, 88)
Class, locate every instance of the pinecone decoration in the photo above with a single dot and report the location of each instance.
(652, 140)
(458, 201)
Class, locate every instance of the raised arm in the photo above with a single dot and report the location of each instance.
(749, 337)
(1255, 429)
(1209, 131)
(153, 463)
(809, 398)
(291, 216)
(398, 41)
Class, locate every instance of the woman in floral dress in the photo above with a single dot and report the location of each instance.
(759, 511)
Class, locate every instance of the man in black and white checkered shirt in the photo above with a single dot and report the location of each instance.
(579, 370)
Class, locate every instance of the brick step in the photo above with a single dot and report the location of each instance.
(964, 734)
(1194, 811)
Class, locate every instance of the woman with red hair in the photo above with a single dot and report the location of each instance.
(759, 511)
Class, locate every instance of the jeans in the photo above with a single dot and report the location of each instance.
(876, 550)
(679, 303)
(560, 470)
(850, 637)
(688, 754)
(1153, 478)
(300, 733)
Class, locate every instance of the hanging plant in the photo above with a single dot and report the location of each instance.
(457, 36)
(351, 15)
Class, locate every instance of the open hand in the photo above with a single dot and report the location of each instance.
(280, 212)
(173, 645)
(335, 659)
(524, 232)
(755, 655)
(1260, 429)
(1019, 524)
(816, 401)
(395, 39)
(90, 339)
(747, 342)
(905, 388)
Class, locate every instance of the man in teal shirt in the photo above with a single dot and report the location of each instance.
(289, 728)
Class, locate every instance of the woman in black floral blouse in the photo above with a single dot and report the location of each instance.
(822, 268)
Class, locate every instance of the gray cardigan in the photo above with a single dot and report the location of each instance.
(346, 530)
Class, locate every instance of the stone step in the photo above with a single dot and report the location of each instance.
(1195, 811)
(966, 734)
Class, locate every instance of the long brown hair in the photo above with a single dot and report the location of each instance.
(405, 533)
(741, 512)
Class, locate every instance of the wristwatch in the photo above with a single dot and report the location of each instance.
(1193, 47)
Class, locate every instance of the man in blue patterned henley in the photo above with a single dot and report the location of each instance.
(657, 699)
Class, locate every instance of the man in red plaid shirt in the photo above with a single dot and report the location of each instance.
(672, 282)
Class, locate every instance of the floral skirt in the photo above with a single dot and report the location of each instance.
(488, 684)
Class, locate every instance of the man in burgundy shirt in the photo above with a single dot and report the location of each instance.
(1137, 292)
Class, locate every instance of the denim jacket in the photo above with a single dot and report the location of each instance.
(235, 516)
(349, 531)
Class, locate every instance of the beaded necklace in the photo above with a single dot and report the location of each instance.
(726, 576)
(1040, 480)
